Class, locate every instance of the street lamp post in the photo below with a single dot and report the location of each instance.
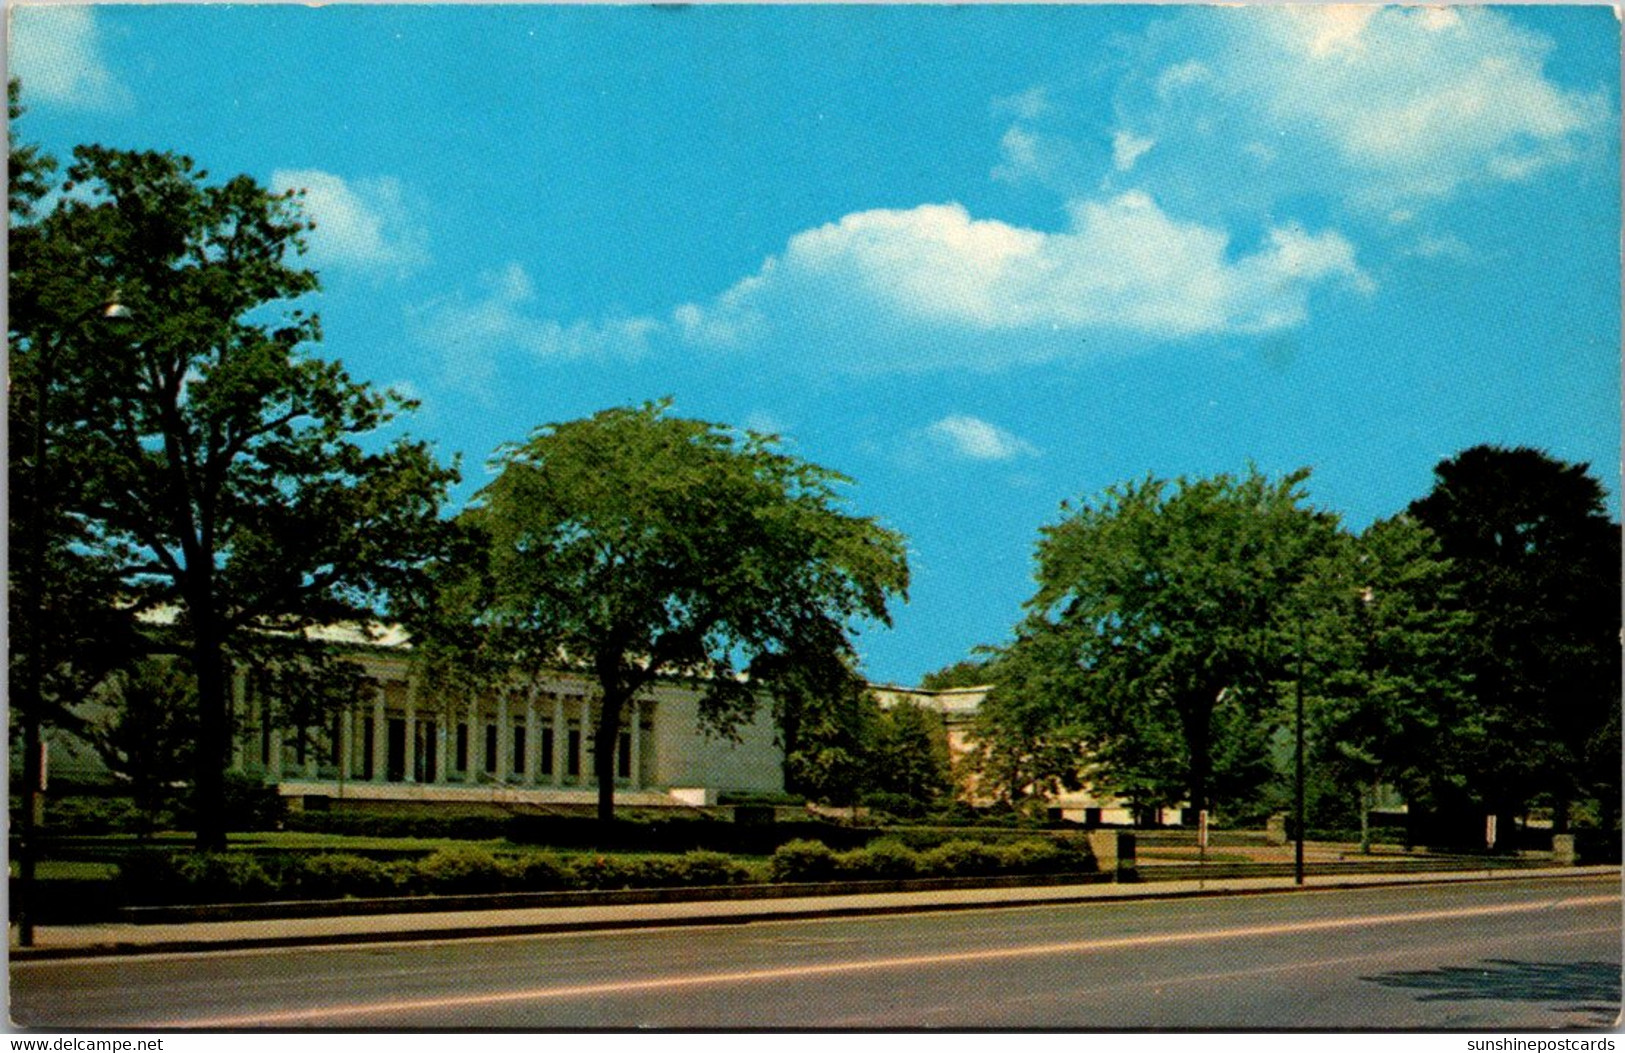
(33, 669)
(1297, 866)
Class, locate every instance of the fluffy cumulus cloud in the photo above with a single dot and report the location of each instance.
(56, 54)
(502, 317)
(1388, 108)
(1121, 265)
(977, 440)
(362, 223)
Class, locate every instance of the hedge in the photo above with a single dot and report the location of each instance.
(238, 877)
(891, 859)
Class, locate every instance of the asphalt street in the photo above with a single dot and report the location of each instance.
(1516, 954)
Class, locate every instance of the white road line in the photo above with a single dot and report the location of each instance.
(311, 1015)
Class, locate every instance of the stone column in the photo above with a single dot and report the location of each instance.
(504, 736)
(273, 766)
(380, 737)
(584, 753)
(442, 759)
(345, 763)
(533, 740)
(636, 771)
(239, 715)
(476, 742)
(409, 762)
(560, 740)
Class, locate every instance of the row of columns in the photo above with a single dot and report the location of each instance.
(378, 715)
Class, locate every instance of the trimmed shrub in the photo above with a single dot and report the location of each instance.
(464, 869)
(884, 859)
(544, 873)
(802, 861)
(338, 876)
(615, 872)
(960, 859)
(206, 877)
(712, 868)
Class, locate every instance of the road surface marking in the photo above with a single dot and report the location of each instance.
(801, 972)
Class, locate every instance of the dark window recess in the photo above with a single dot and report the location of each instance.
(547, 751)
(572, 759)
(462, 747)
(623, 756)
(490, 747)
(519, 749)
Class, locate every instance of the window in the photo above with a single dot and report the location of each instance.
(572, 758)
(547, 749)
(519, 749)
(491, 748)
(462, 747)
(623, 755)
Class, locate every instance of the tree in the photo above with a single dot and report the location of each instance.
(145, 733)
(638, 545)
(826, 718)
(1538, 565)
(235, 481)
(1168, 604)
(909, 758)
(1389, 689)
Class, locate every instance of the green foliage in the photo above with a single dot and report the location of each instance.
(969, 672)
(144, 734)
(1159, 606)
(1387, 692)
(802, 861)
(464, 869)
(909, 759)
(641, 545)
(339, 876)
(1537, 562)
(199, 877)
(216, 468)
(826, 719)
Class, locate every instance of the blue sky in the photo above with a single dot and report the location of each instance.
(980, 259)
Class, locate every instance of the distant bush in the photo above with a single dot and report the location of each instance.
(545, 873)
(802, 860)
(200, 877)
(464, 869)
(337, 875)
(883, 859)
(961, 859)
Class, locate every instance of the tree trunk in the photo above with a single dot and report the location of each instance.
(213, 743)
(603, 760)
(1196, 718)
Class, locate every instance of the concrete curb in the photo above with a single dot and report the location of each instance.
(721, 912)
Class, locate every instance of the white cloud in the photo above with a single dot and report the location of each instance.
(56, 54)
(1392, 105)
(1128, 148)
(501, 319)
(977, 440)
(362, 223)
(1122, 265)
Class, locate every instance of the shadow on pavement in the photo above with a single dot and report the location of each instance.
(1590, 988)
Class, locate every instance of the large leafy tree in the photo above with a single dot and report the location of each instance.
(233, 480)
(637, 545)
(1538, 566)
(1384, 638)
(1168, 605)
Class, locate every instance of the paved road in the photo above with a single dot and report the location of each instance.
(1511, 954)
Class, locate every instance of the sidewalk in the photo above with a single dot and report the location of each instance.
(73, 941)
